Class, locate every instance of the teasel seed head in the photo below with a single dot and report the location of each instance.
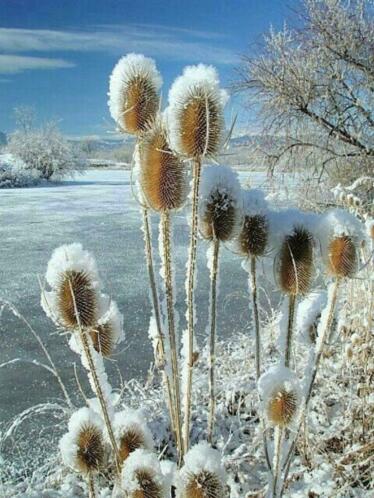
(141, 476)
(254, 235)
(280, 396)
(195, 113)
(108, 331)
(83, 447)
(296, 262)
(203, 475)
(220, 203)
(134, 93)
(162, 174)
(342, 256)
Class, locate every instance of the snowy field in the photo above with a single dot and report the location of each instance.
(98, 210)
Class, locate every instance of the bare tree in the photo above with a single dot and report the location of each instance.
(315, 90)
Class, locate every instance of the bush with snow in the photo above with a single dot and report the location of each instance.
(14, 174)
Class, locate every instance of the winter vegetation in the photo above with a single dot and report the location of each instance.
(285, 406)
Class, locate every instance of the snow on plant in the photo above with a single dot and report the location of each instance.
(142, 477)
(202, 474)
(308, 314)
(15, 174)
(220, 211)
(134, 93)
(82, 447)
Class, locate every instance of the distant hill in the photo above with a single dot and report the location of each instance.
(3, 139)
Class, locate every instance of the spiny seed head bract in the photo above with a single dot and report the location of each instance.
(342, 256)
(134, 93)
(141, 476)
(108, 331)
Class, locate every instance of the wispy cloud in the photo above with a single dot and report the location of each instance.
(154, 40)
(11, 64)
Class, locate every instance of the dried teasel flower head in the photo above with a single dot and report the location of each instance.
(195, 113)
(75, 297)
(131, 433)
(134, 93)
(202, 475)
(220, 207)
(162, 174)
(141, 476)
(108, 331)
(280, 396)
(253, 236)
(342, 256)
(295, 263)
(83, 448)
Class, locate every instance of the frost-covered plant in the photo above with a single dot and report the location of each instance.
(219, 218)
(142, 477)
(76, 304)
(82, 447)
(202, 475)
(196, 124)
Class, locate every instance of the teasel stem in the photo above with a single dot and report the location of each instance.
(156, 311)
(212, 338)
(190, 299)
(168, 276)
(291, 318)
(91, 486)
(98, 390)
(256, 316)
(325, 333)
(278, 439)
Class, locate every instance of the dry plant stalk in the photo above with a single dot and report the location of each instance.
(295, 273)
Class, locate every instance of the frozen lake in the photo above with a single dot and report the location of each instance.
(98, 210)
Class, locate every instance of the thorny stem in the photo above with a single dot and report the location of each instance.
(157, 314)
(291, 314)
(324, 335)
(98, 391)
(278, 438)
(212, 338)
(168, 276)
(91, 486)
(190, 300)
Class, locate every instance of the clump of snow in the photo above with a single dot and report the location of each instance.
(130, 419)
(308, 312)
(139, 461)
(194, 78)
(124, 72)
(114, 318)
(81, 419)
(202, 457)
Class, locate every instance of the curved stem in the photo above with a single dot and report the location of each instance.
(91, 486)
(256, 316)
(278, 439)
(191, 268)
(212, 338)
(168, 277)
(291, 316)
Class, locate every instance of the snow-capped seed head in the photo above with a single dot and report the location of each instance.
(296, 262)
(342, 257)
(254, 235)
(195, 113)
(280, 395)
(82, 448)
(162, 174)
(203, 475)
(108, 331)
(134, 92)
(220, 208)
(141, 476)
(131, 433)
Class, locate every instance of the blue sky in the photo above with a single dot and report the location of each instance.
(57, 55)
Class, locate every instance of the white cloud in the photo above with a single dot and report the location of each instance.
(11, 64)
(154, 40)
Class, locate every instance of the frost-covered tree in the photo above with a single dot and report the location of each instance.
(44, 150)
(315, 89)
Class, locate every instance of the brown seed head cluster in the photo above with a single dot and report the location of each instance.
(162, 174)
(149, 488)
(342, 256)
(204, 485)
(76, 286)
(90, 454)
(219, 217)
(282, 407)
(102, 337)
(131, 440)
(254, 236)
(140, 104)
(201, 124)
(296, 262)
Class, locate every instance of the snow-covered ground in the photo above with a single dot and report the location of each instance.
(98, 210)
